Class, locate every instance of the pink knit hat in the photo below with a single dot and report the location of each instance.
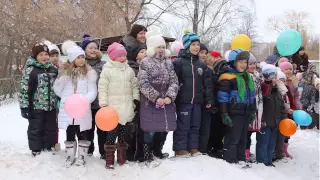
(116, 50)
(285, 65)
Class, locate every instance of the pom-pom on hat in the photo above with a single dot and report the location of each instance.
(86, 40)
(154, 40)
(285, 65)
(72, 50)
(188, 38)
(116, 50)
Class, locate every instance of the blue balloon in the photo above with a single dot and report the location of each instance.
(302, 118)
(289, 42)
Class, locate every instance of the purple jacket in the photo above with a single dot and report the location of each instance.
(157, 79)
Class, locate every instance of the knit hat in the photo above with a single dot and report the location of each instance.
(71, 50)
(285, 65)
(252, 59)
(53, 49)
(281, 75)
(283, 59)
(116, 50)
(136, 51)
(38, 48)
(175, 48)
(238, 54)
(86, 40)
(215, 54)
(269, 71)
(220, 66)
(136, 28)
(271, 59)
(189, 38)
(203, 47)
(154, 40)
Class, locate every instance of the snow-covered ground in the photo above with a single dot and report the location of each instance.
(16, 162)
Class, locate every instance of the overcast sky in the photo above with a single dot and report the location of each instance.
(268, 8)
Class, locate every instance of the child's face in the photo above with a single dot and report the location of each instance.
(91, 50)
(121, 59)
(43, 57)
(142, 54)
(301, 52)
(160, 50)
(54, 58)
(288, 72)
(195, 48)
(203, 55)
(241, 65)
(141, 36)
(252, 67)
(80, 61)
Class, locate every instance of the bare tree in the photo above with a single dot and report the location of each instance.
(175, 29)
(248, 25)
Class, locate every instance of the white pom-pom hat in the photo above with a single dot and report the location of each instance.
(72, 50)
(154, 40)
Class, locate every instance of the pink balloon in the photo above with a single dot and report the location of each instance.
(76, 106)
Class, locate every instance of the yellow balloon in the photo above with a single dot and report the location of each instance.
(241, 41)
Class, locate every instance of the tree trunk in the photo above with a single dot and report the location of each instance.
(195, 16)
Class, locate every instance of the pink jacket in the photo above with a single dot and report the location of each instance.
(295, 93)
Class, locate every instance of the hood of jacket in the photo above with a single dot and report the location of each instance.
(31, 61)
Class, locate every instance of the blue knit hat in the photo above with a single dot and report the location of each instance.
(86, 40)
(189, 38)
(272, 59)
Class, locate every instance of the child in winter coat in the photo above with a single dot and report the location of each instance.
(159, 88)
(94, 59)
(195, 90)
(175, 49)
(118, 88)
(237, 105)
(271, 117)
(75, 77)
(256, 125)
(38, 101)
(292, 98)
(203, 52)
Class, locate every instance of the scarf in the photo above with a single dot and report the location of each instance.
(242, 78)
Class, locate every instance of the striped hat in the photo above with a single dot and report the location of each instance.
(189, 38)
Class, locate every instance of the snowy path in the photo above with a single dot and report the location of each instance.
(16, 162)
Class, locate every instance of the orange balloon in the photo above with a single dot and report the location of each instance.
(107, 119)
(287, 127)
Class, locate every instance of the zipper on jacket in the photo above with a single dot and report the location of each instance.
(193, 80)
(49, 90)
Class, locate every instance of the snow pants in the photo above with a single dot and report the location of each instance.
(119, 132)
(217, 132)
(279, 149)
(248, 143)
(235, 139)
(266, 142)
(73, 131)
(102, 135)
(205, 130)
(41, 129)
(186, 136)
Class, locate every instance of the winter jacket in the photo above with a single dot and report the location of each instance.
(308, 96)
(157, 79)
(97, 65)
(131, 44)
(194, 80)
(37, 86)
(229, 98)
(256, 124)
(294, 93)
(300, 61)
(273, 106)
(117, 88)
(134, 65)
(66, 86)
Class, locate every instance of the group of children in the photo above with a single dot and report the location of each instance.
(212, 105)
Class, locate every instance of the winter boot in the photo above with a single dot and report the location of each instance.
(71, 149)
(195, 152)
(149, 159)
(248, 155)
(110, 150)
(35, 153)
(122, 153)
(182, 153)
(286, 145)
(83, 151)
(157, 151)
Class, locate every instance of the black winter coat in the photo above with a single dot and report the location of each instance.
(194, 80)
(273, 106)
(135, 66)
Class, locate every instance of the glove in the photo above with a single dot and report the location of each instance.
(226, 119)
(25, 112)
(137, 104)
(252, 117)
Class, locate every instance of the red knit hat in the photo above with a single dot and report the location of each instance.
(215, 54)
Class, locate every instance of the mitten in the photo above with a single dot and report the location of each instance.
(226, 119)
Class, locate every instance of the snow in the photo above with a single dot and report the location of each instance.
(17, 163)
